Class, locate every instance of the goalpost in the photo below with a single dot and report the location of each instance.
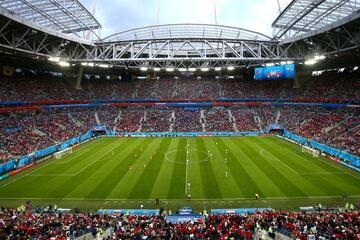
(62, 153)
(313, 152)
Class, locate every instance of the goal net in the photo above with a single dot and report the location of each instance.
(62, 153)
(313, 152)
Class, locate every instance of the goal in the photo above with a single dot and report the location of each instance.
(62, 153)
(313, 152)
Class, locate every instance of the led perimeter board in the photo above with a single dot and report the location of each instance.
(276, 72)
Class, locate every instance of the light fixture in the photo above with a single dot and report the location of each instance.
(169, 69)
(64, 64)
(310, 62)
(54, 59)
(289, 62)
(84, 64)
(157, 69)
(104, 65)
(182, 69)
(282, 63)
(321, 57)
(144, 69)
(192, 69)
(217, 69)
(204, 69)
(270, 64)
(230, 68)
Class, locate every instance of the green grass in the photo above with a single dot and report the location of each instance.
(125, 172)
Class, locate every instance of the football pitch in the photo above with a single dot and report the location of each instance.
(218, 172)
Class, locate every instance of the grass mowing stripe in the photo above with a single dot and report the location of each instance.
(327, 184)
(177, 190)
(76, 162)
(117, 172)
(243, 180)
(42, 184)
(319, 187)
(67, 186)
(264, 184)
(228, 186)
(146, 181)
(312, 188)
(281, 178)
(209, 182)
(73, 167)
(324, 161)
(163, 179)
(194, 177)
(289, 157)
(57, 185)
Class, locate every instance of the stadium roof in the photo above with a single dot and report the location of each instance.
(302, 16)
(66, 16)
(188, 31)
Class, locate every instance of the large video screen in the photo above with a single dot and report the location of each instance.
(275, 72)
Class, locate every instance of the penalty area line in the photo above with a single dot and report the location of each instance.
(275, 158)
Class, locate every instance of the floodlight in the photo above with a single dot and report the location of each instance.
(54, 59)
(231, 68)
(64, 64)
(310, 62)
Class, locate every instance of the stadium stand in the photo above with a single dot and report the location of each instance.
(23, 132)
(51, 224)
(328, 85)
(63, 84)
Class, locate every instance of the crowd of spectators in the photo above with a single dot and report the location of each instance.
(25, 132)
(30, 224)
(328, 85)
(187, 121)
(338, 128)
(129, 121)
(157, 121)
(218, 120)
(346, 134)
(108, 117)
(244, 120)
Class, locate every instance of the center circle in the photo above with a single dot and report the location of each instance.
(202, 156)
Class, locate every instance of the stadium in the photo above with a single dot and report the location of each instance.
(179, 130)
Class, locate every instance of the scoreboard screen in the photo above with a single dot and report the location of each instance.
(275, 72)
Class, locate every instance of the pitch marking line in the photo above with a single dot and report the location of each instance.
(195, 199)
(72, 174)
(190, 150)
(322, 173)
(52, 175)
(263, 150)
(186, 166)
(326, 161)
(52, 162)
(98, 159)
(16, 179)
(75, 155)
